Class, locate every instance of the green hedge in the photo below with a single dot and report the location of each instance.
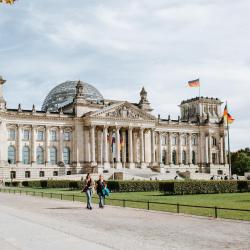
(53, 184)
(133, 186)
(167, 187)
(205, 187)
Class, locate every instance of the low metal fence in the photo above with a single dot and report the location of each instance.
(148, 205)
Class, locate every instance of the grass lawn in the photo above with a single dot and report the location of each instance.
(231, 200)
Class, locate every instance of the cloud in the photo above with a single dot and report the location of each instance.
(120, 46)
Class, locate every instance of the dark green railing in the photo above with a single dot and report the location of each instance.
(149, 205)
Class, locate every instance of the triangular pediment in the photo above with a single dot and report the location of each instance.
(123, 110)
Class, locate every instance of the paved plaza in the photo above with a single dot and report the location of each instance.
(34, 223)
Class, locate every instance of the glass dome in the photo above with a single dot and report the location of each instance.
(64, 94)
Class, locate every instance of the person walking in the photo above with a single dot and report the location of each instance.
(100, 190)
(88, 189)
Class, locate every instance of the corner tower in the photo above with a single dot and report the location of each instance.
(2, 101)
(144, 104)
(203, 109)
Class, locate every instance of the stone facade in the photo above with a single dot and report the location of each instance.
(92, 136)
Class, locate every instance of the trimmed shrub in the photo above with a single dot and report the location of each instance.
(205, 187)
(243, 186)
(53, 184)
(167, 187)
(133, 186)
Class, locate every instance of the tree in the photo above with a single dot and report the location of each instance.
(241, 162)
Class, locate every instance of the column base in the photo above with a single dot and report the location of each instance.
(131, 165)
(93, 164)
(118, 165)
(106, 165)
(143, 165)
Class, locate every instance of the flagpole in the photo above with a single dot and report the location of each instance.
(229, 151)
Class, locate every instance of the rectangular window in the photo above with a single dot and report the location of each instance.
(55, 173)
(40, 135)
(13, 175)
(53, 135)
(12, 134)
(66, 136)
(27, 174)
(41, 174)
(26, 135)
(164, 140)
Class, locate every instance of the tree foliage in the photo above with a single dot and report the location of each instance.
(241, 161)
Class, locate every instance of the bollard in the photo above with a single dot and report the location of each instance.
(124, 203)
(51, 195)
(148, 205)
(61, 196)
(73, 197)
(178, 208)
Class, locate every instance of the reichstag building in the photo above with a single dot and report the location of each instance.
(77, 130)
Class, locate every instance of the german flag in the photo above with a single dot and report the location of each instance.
(227, 117)
(194, 83)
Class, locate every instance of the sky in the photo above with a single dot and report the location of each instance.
(119, 46)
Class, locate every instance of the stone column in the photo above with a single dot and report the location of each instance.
(179, 149)
(210, 149)
(124, 147)
(33, 145)
(152, 147)
(160, 148)
(19, 144)
(47, 145)
(142, 148)
(117, 142)
(189, 149)
(170, 159)
(60, 148)
(130, 148)
(105, 148)
(92, 139)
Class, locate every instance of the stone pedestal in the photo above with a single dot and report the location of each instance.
(118, 165)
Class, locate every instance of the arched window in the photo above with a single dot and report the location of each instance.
(11, 155)
(39, 155)
(174, 157)
(184, 157)
(66, 155)
(53, 155)
(11, 134)
(193, 157)
(174, 140)
(194, 140)
(26, 155)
